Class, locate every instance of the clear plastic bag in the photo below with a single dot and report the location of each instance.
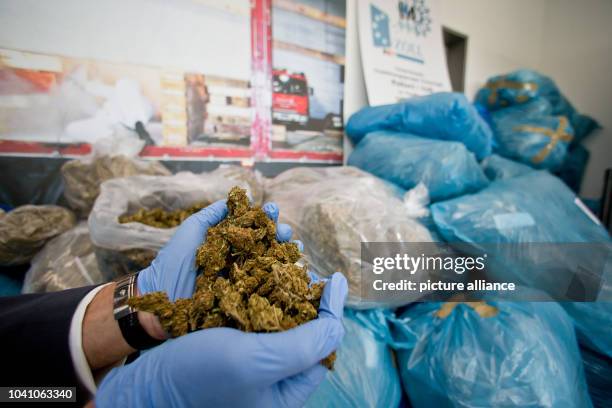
(82, 178)
(364, 374)
(24, 231)
(123, 248)
(489, 354)
(334, 215)
(244, 175)
(444, 115)
(67, 261)
(446, 168)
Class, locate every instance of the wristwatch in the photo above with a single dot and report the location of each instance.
(127, 317)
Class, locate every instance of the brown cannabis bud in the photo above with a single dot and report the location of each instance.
(160, 218)
(248, 281)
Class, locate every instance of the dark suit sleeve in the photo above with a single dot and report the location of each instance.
(34, 331)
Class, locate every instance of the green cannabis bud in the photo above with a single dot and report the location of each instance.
(160, 218)
(248, 280)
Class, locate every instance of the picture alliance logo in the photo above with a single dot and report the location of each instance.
(414, 16)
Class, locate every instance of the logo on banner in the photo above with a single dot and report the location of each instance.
(414, 16)
(380, 27)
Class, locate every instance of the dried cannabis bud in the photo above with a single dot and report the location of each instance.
(160, 218)
(248, 281)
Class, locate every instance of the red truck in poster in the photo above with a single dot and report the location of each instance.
(290, 98)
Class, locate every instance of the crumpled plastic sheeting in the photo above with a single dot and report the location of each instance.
(334, 215)
(124, 248)
(593, 321)
(598, 370)
(538, 140)
(525, 85)
(67, 261)
(444, 115)
(26, 229)
(497, 168)
(364, 374)
(301, 176)
(244, 175)
(82, 178)
(526, 355)
(446, 168)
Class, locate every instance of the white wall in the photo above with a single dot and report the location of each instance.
(577, 53)
(565, 39)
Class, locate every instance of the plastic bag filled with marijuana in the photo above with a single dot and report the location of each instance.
(365, 374)
(248, 280)
(26, 229)
(301, 176)
(333, 216)
(130, 246)
(240, 174)
(282, 188)
(67, 261)
(82, 178)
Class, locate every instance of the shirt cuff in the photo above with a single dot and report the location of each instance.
(75, 340)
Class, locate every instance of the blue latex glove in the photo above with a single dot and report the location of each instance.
(227, 367)
(174, 270)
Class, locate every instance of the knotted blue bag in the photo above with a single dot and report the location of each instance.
(489, 354)
(444, 116)
(446, 168)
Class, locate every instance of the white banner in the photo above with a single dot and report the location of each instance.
(402, 50)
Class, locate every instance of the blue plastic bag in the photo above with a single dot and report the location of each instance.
(533, 208)
(598, 370)
(546, 207)
(538, 140)
(497, 168)
(444, 116)
(524, 85)
(446, 168)
(364, 373)
(493, 354)
(593, 322)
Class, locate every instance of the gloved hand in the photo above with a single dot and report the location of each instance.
(227, 367)
(174, 270)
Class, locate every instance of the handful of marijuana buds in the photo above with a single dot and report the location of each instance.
(248, 281)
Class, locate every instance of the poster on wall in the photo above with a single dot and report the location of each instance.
(68, 106)
(402, 50)
(61, 98)
(308, 58)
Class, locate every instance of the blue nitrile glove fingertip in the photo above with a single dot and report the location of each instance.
(299, 244)
(334, 296)
(283, 232)
(271, 210)
(314, 278)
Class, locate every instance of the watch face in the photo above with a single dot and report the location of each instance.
(122, 292)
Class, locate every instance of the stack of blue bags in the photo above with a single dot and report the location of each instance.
(534, 123)
(483, 164)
